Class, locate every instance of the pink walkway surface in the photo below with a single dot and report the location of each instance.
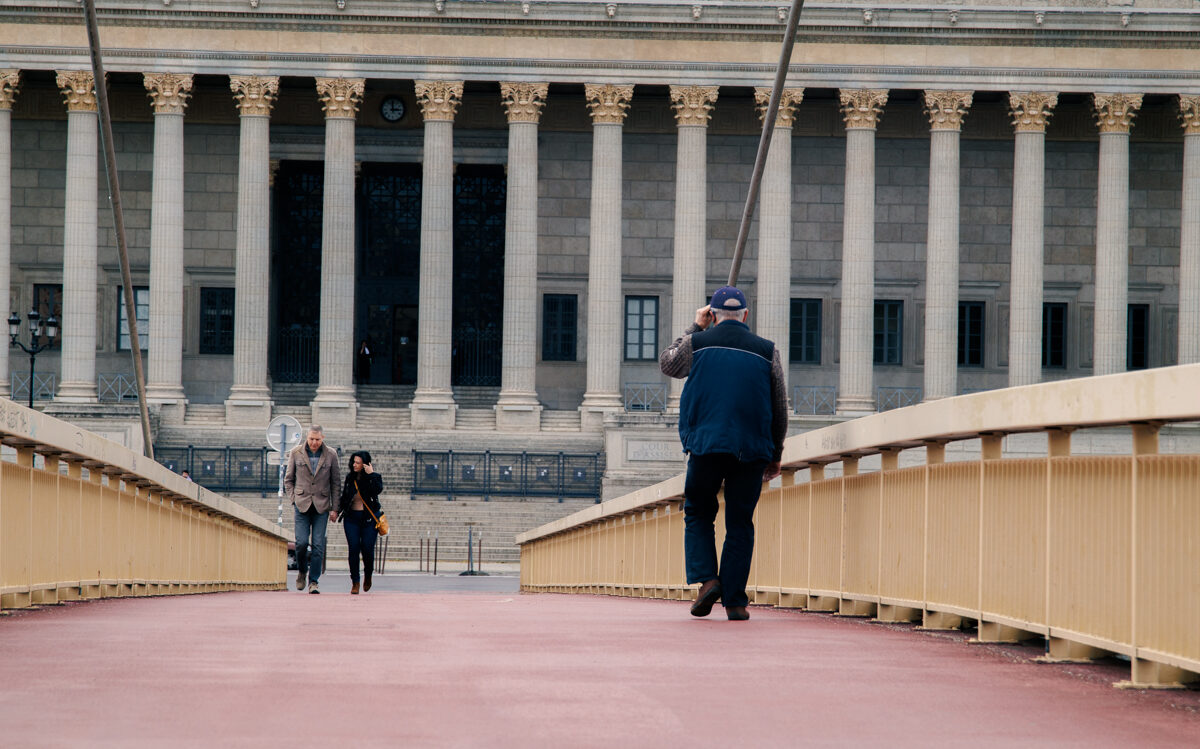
(495, 670)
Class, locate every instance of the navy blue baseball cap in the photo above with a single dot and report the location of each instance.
(729, 298)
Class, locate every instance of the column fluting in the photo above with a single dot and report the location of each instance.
(169, 93)
(1189, 234)
(946, 110)
(608, 104)
(1030, 111)
(78, 382)
(433, 404)
(249, 400)
(693, 107)
(10, 83)
(1115, 113)
(861, 109)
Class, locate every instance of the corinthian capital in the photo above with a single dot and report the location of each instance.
(789, 99)
(693, 104)
(524, 101)
(861, 107)
(10, 83)
(78, 88)
(1189, 112)
(1115, 112)
(608, 103)
(169, 92)
(1031, 110)
(946, 109)
(439, 99)
(340, 97)
(255, 95)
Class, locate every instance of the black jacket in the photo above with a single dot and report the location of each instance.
(369, 485)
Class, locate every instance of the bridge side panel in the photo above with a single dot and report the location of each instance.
(1013, 577)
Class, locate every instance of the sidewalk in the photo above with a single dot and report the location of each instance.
(489, 669)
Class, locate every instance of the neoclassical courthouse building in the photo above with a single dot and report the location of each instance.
(522, 201)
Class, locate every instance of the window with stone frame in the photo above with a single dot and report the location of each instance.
(216, 320)
(970, 334)
(804, 336)
(47, 300)
(559, 326)
(1054, 335)
(889, 331)
(141, 302)
(641, 328)
(1137, 338)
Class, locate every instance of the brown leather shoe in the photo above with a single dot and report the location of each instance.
(709, 593)
(367, 582)
(737, 613)
(354, 589)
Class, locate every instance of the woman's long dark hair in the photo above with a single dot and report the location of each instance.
(366, 459)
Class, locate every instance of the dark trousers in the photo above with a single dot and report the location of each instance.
(743, 484)
(360, 536)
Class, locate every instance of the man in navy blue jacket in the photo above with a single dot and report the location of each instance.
(733, 418)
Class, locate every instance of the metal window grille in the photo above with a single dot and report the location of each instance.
(641, 328)
(645, 396)
(805, 334)
(141, 303)
(216, 320)
(889, 331)
(559, 326)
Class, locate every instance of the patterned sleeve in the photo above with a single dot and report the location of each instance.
(779, 405)
(676, 359)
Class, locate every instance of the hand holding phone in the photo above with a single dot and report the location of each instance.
(704, 316)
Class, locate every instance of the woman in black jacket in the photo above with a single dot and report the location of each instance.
(362, 490)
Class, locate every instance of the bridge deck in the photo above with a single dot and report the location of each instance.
(493, 668)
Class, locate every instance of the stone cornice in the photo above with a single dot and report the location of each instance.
(255, 95)
(10, 84)
(439, 99)
(693, 104)
(608, 103)
(169, 92)
(861, 107)
(340, 97)
(524, 101)
(1031, 110)
(78, 89)
(1115, 112)
(1189, 112)
(946, 109)
(789, 99)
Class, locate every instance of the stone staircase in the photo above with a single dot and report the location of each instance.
(475, 419)
(385, 396)
(204, 414)
(476, 397)
(560, 421)
(293, 393)
(383, 418)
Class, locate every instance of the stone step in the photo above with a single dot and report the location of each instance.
(560, 421)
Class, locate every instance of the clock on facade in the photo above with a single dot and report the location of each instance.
(392, 109)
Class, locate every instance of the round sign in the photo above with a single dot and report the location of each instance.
(290, 429)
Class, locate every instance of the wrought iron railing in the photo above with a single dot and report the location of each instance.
(297, 354)
(44, 386)
(645, 396)
(896, 397)
(814, 399)
(116, 388)
(223, 469)
(487, 474)
(475, 357)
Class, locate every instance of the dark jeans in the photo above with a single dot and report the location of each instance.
(311, 523)
(360, 536)
(743, 483)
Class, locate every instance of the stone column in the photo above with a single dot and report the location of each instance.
(518, 408)
(606, 314)
(78, 326)
(774, 305)
(1115, 113)
(249, 402)
(861, 109)
(1030, 111)
(10, 82)
(169, 93)
(693, 106)
(1189, 233)
(335, 404)
(946, 110)
(433, 404)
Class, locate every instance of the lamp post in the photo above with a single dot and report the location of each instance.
(35, 332)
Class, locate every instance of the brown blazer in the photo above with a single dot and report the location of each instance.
(306, 489)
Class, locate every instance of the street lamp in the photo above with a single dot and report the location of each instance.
(35, 332)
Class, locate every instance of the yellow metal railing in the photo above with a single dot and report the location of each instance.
(127, 527)
(1096, 553)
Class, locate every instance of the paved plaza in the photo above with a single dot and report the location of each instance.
(469, 662)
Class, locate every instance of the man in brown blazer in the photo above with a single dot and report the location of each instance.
(313, 483)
